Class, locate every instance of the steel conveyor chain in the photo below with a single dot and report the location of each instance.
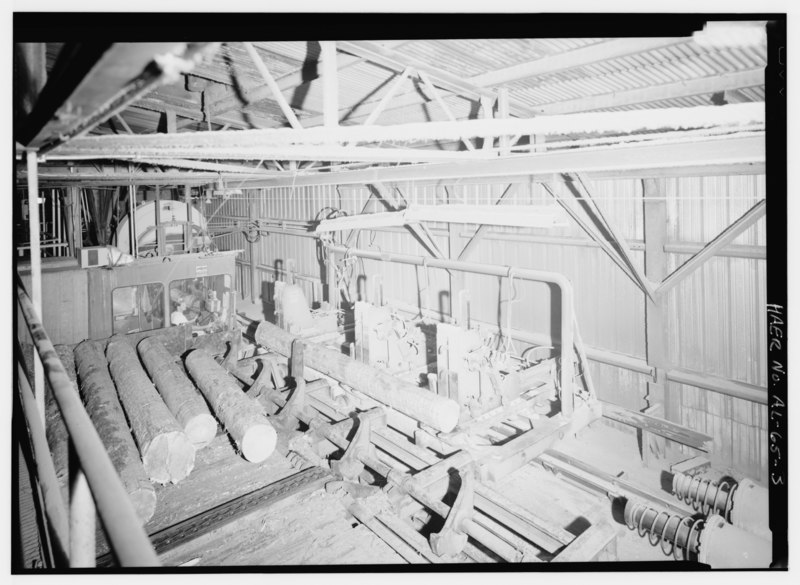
(191, 528)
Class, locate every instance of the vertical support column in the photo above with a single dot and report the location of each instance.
(655, 266)
(82, 515)
(330, 84)
(457, 277)
(330, 277)
(159, 231)
(36, 269)
(74, 221)
(503, 112)
(132, 218)
(187, 230)
(486, 113)
(251, 215)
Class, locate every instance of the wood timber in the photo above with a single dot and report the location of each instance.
(167, 453)
(659, 426)
(245, 419)
(436, 411)
(178, 392)
(100, 397)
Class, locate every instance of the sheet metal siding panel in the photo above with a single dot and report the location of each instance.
(716, 318)
(65, 309)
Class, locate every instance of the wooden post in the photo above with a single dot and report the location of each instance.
(132, 218)
(159, 231)
(655, 236)
(503, 111)
(73, 206)
(167, 453)
(457, 277)
(252, 249)
(178, 392)
(187, 232)
(330, 84)
(102, 404)
(486, 113)
(245, 419)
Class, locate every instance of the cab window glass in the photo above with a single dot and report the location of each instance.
(137, 308)
(204, 301)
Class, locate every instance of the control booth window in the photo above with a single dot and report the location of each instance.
(204, 301)
(138, 308)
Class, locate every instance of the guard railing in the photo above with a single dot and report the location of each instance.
(95, 487)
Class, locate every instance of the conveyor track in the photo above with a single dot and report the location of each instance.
(168, 538)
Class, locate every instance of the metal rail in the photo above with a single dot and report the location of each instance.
(124, 529)
(561, 281)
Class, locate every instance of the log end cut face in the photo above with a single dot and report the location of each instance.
(169, 457)
(201, 430)
(259, 442)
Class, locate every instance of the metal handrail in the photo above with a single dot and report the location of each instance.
(45, 470)
(127, 537)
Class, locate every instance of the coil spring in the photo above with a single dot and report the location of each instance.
(645, 520)
(714, 497)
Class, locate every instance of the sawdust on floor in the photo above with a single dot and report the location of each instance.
(312, 529)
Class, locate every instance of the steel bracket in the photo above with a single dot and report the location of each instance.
(297, 400)
(452, 538)
(232, 357)
(349, 466)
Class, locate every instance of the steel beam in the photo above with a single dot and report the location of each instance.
(392, 91)
(270, 81)
(723, 239)
(746, 153)
(479, 234)
(397, 62)
(654, 211)
(97, 83)
(447, 111)
(215, 144)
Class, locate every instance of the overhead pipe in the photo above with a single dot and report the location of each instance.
(561, 281)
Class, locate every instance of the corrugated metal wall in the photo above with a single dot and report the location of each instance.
(715, 317)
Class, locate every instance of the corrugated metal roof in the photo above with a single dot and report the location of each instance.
(685, 61)
(363, 84)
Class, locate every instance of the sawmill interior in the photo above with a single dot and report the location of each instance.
(441, 299)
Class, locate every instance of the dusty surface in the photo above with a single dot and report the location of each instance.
(313, 529)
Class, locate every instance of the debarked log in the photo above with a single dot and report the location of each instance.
(244, 419)
(178, 392)
(436, 411)
(100, 398)
(167, 453)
